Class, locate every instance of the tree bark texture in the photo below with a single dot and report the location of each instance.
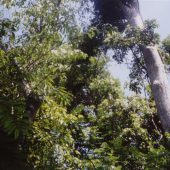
(120, 13)
(157, 75)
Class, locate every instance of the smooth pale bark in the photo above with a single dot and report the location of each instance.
(113, 11)
(157, 75)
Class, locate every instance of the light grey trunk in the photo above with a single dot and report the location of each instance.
(157, 75)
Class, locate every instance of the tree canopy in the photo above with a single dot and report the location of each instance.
(60, 108)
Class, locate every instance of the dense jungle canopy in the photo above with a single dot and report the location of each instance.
(60, 108)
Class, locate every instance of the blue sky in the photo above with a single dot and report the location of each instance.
(150, 9)
(159, 10)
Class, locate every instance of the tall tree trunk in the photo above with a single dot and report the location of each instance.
(117, 13)
(157, 75)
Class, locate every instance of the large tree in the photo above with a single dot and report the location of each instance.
(122, 12)
(84, 120)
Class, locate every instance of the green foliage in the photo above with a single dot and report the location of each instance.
(130, 42)
(166, 44)
(84, 121)
(166, 50)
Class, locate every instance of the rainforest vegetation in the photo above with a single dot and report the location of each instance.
(60, 108)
